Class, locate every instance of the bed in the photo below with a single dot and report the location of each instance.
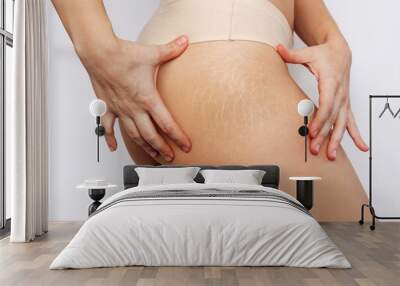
(201, 224)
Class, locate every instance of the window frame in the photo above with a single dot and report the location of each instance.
(6, 39)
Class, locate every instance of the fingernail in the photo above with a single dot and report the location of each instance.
(317, 147)
(186, 149)
(182, 41)
(168, 158)
(333, 154)
(153, 154)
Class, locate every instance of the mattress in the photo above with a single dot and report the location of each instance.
(201, 225)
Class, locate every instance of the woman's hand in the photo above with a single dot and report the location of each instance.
(123, 74)
(330, 63)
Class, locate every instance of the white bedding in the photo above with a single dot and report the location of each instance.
(200, 231)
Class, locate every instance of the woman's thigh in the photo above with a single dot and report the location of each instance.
(238, 104)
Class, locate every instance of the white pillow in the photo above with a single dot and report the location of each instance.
(162, 176)
(248, 177)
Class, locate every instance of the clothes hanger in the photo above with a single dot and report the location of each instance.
(387, 107)
(397, 113)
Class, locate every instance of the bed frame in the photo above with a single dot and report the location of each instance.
(270, 179)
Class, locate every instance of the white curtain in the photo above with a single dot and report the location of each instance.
(26, 123)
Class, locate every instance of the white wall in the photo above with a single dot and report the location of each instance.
(369, 26)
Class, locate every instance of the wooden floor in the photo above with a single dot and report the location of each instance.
(375, 257)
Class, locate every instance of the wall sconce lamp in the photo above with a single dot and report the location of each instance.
(305, 108)
(98, 108)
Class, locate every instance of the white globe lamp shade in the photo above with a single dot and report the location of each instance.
(305, 107)
(97, 107)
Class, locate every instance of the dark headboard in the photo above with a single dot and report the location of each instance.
(270, 179)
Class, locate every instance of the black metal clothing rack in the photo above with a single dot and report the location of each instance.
(369, 205)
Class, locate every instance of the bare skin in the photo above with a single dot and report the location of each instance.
(231, 110)
(237, 111)
(123, 74)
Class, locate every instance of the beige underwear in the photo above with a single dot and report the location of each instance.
(218, 20)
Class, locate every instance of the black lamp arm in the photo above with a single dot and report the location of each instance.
(303, 131)
(100, 131)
